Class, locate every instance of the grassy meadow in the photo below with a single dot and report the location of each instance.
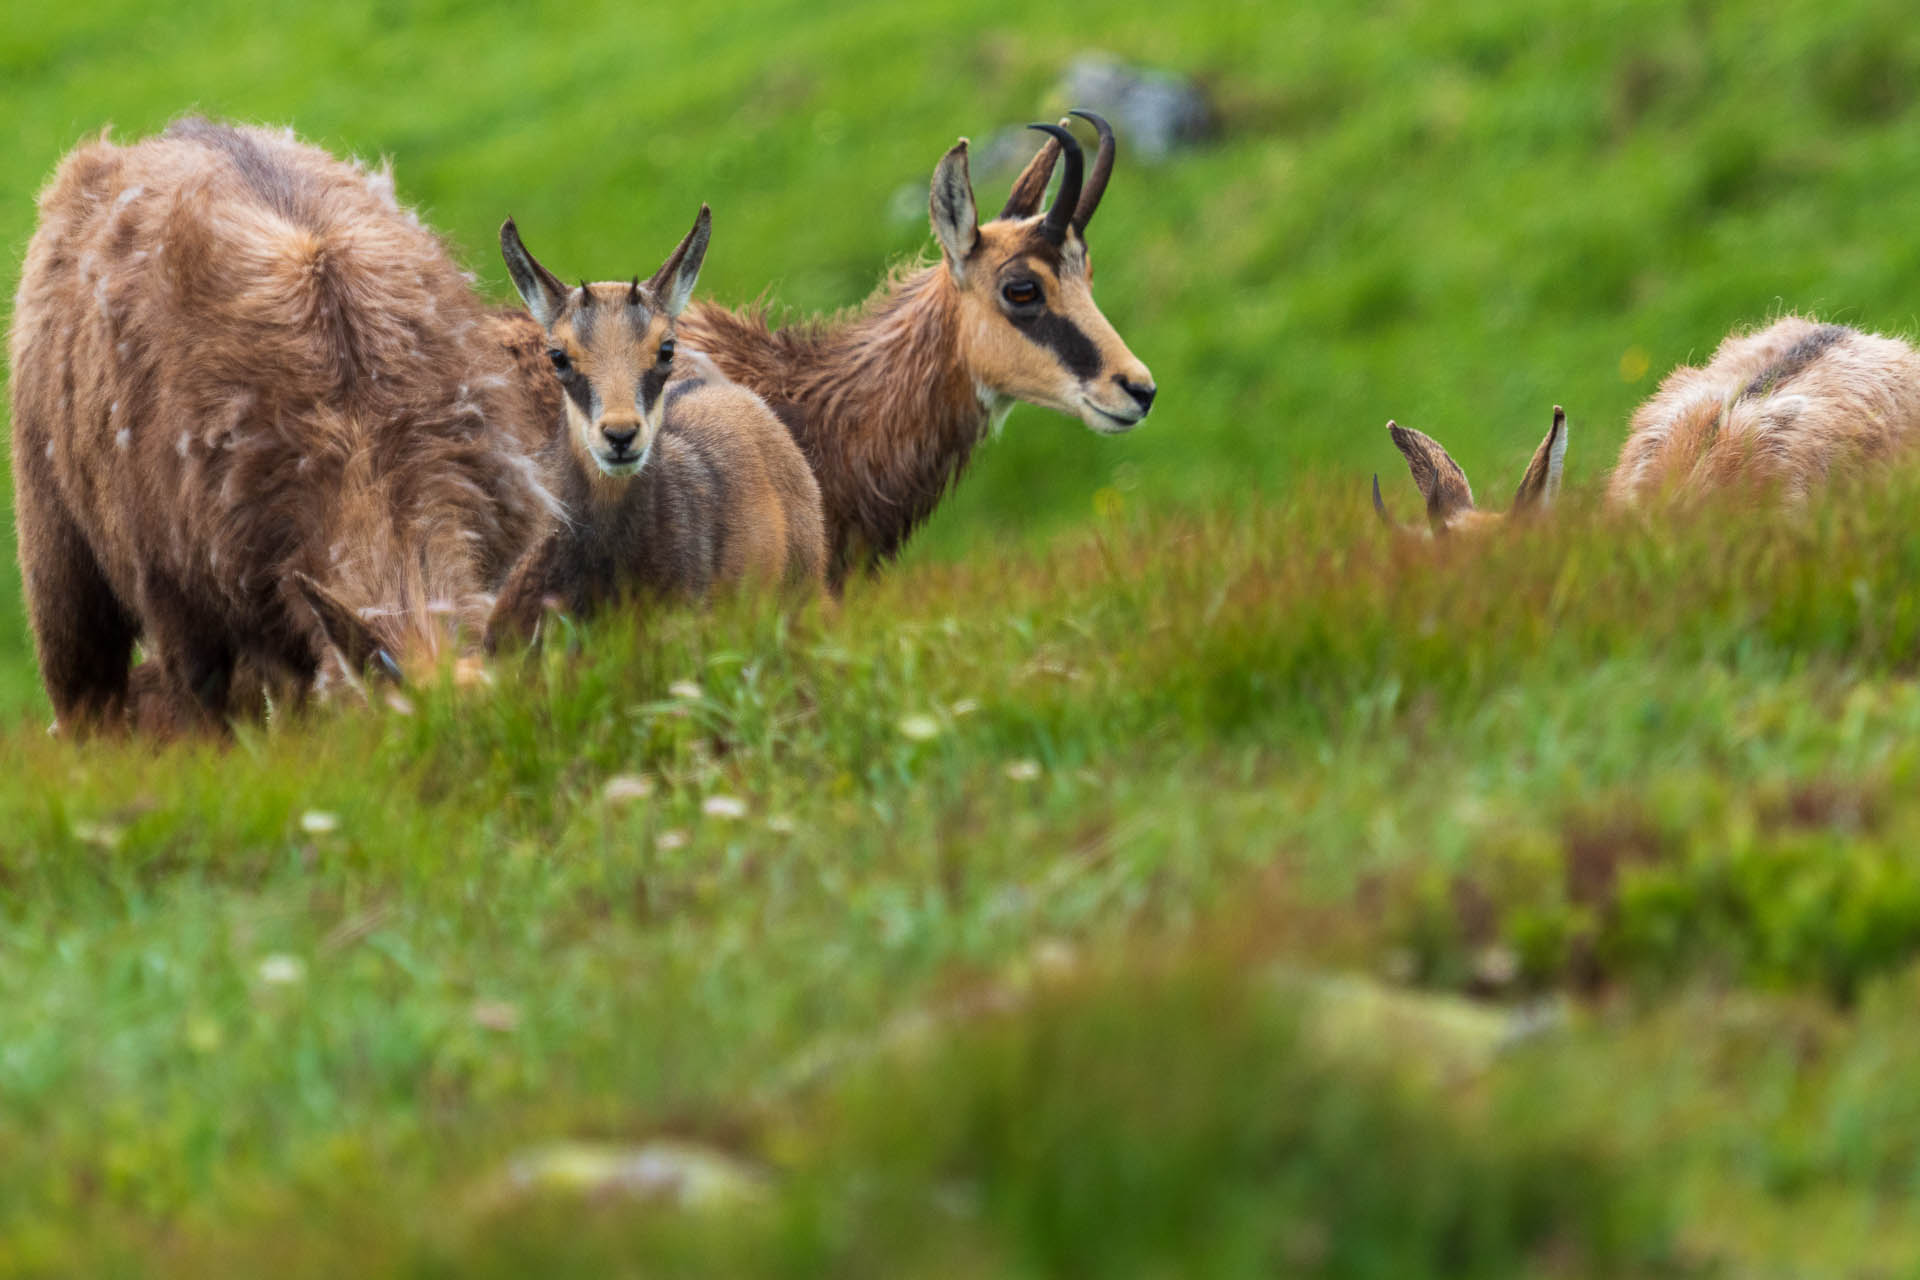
(1160, 870)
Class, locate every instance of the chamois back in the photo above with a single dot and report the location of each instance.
(256, 405)
(1780, 410)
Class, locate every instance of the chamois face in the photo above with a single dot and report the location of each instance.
(1444, 485)
(612, 347)
(1029, 327)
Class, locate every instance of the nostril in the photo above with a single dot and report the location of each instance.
(1142, 393)
(620, 437)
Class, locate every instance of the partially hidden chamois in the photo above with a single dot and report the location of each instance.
(1775, 413)
(259, 417)
(888, 402)
(671, 483)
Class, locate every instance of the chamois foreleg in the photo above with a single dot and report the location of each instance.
(191, 648)
(546, 577)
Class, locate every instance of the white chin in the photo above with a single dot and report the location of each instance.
(1106, 424)
(623, 468)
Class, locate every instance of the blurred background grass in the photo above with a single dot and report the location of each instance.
(1454, 216)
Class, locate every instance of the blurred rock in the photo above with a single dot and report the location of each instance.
(1155, 113)
(678, 1175)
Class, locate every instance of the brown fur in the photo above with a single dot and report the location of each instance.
(1781, 410)
(253, 398)
(720, 495)
(888, 402)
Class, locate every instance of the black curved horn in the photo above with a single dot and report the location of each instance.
(1097, 179)
(1067, 199)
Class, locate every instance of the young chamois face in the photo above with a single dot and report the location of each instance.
(611, 345)
(1444, 485)
(1029, 328)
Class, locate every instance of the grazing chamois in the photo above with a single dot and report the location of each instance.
(259, 417)
(1776, 413)
(669, 488)
(1444, 485)
(888, 402)
(1779, 411)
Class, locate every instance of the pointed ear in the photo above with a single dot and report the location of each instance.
(955, 222)
(1029, 188)
(1541, 485)
(359, 648)
(1442, 483)
(672, 285)
(538, 287)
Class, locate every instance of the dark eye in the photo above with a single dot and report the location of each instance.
(1021, 293)
(559, 359)
(666, 352)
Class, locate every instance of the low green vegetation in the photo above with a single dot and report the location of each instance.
(1164, 870)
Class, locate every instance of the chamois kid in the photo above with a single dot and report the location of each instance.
(888, 402)
(258, 416)
(671, 485)
(1449, 497)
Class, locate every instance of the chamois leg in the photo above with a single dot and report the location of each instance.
(81, 631)
(191, 650)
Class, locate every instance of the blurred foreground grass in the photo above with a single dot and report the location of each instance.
(1014, 899)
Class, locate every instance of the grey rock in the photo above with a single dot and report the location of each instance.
(1155, 112)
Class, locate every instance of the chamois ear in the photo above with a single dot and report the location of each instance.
(1442, 483)
(956, 224)
(1541, 485)
(538, 287)
(1024, 200)
(359, 648)
(672, 285)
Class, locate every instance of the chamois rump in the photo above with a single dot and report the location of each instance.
(669, 488)
(259, 417)
(888, 402)
(1775, 413)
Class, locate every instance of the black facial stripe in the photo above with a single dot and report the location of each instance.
(652, 382)
(1063, 338)
(578, 390)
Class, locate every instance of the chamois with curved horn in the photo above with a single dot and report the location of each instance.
(888, 402)
(671, 488)
(259, 417)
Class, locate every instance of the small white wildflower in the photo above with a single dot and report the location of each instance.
(782, 824)
(1022, 770)
(102, 835)
(920, 728)
(964, 707)
(626, 787)
(281, 970)
(724, 807)
(495, 1015)
(686, 690)
(318, 822)
(399, 703)
(674, 838)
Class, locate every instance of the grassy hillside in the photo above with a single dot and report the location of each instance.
(1162, 870)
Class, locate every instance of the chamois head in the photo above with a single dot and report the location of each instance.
(1030, 330)
(611, 344)
(1444, 485)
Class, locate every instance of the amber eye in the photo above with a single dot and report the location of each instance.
(666, 352)
(559, 359)
(1021, 293)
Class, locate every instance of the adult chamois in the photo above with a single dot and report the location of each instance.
(887, 402)
(669, 488)
(1777, 412)
(259, 416)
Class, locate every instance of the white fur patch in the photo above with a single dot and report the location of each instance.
(122, 438)
(181, 445)
(128, 196)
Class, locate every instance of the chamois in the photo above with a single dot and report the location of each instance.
(888, 402)
(1776, 412)
(259, 417)
(1444, 485)
(669, 489)
(1781, 410)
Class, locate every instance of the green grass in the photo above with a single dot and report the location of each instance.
(1161, 871)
